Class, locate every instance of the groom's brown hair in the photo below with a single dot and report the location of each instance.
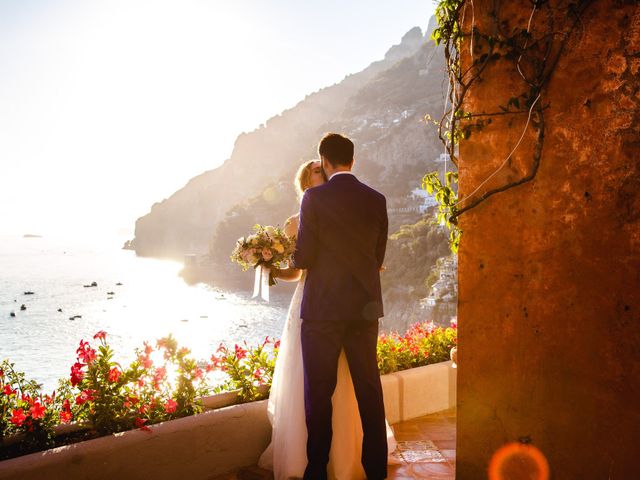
(336, 149)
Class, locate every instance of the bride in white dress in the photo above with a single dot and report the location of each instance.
(286, 454)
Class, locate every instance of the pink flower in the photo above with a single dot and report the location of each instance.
(85, 352)
(147, 349)
(240, 352)
(100, 335)
(245, 255)
(37, 411)
(197, 374)
(146, 361)
(161, 373)
(266, 254)
(170, 406)
(215, 361)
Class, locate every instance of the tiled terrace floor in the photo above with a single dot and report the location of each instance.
(426, 449)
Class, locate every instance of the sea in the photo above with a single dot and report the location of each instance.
(135, 300)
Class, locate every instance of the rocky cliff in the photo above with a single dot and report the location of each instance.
(380, 107)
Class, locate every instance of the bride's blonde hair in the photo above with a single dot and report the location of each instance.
(303, 177)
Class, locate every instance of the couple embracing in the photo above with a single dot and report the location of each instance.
(326, 404)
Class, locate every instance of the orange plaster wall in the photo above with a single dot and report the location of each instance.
(549, 272)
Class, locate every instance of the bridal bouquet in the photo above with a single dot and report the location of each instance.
(263, 250)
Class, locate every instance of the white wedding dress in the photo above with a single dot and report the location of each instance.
(286, 454)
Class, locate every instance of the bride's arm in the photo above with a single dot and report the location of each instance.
(289, 274)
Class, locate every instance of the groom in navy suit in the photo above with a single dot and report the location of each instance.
(341, 243)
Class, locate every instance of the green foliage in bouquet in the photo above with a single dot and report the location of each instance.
(268, 246)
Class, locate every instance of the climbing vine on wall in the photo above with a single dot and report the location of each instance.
(531, 49)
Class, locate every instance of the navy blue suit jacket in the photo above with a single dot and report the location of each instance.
(341, 243)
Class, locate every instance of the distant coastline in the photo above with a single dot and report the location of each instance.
(31, 235)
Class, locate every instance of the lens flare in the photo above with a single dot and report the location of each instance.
(518, 461)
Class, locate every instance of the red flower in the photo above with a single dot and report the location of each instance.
(8, 391)
(85, 352)
(170, 406)
(66, 406)
(240, 352)
(65, 417)
(37, 411)
(143, 408)
(85, 396)
(146, 361)
(161, 373)
(140, 423)
(215, 361)
(76, 373)
(266, 341)
(27, 398)
(277, 344)
(100, 335)
(147, 349)
(221, 348)
(18, 418)
(130, 400)
(197, 374)
(114, 374)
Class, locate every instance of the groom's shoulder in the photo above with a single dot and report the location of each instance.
(373, 192)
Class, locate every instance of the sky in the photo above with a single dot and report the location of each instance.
(108, 106)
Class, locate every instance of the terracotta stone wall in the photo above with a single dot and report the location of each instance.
(549, 271)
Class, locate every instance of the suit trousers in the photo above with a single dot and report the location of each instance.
(322, 342)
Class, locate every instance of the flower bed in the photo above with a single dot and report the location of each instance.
(163, 383)
(423, 344)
